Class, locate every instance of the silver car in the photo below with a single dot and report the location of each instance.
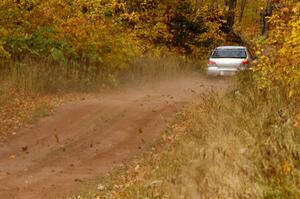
(228, 60)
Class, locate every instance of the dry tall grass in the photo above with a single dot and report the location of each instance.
(44, 76)
(243, 146)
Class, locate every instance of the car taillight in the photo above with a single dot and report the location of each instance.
(211, 62)
(245, 62)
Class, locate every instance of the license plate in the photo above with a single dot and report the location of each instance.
(222, 73)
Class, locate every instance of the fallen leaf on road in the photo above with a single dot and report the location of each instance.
(56, 138)
(77, 180)
(136, 169)
(24, 148)
(100, 187)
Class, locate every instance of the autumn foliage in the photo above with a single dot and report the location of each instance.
(100, 32)
(280, 52)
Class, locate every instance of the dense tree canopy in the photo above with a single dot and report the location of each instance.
(96, 28)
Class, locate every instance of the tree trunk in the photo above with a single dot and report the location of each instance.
(243, 5)
(265, 14)
(231, 14)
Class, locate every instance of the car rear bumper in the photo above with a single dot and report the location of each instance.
(215, 71)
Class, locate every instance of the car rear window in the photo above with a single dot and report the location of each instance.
(229, 53)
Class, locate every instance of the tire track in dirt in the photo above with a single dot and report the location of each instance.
(85, 139)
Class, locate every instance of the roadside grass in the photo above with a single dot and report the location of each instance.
(149, 68)
(45, 76)
(243, 145)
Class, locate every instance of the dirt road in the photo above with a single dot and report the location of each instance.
(84, 139)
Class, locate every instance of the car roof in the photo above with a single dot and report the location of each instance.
(231, 47)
